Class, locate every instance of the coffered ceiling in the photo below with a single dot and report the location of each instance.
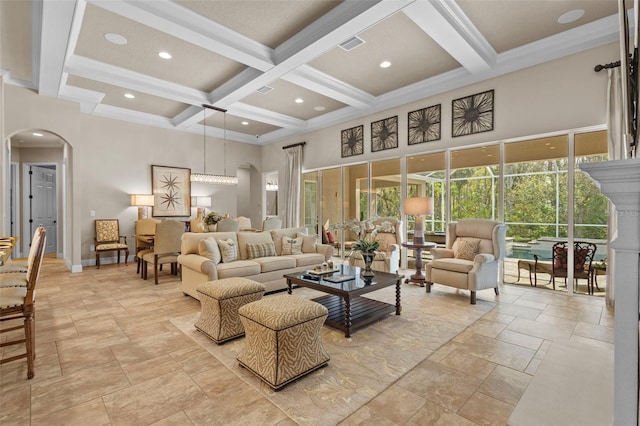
(255, 58)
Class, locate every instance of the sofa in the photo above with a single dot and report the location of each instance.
(260, 256)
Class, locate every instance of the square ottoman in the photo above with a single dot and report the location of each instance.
(219, 303)
(283, 338)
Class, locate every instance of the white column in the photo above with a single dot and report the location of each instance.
(620, 182)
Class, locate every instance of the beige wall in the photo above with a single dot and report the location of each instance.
(111, 159)
(558, 95)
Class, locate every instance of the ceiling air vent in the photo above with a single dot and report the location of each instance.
(265, 89)
(352, 43)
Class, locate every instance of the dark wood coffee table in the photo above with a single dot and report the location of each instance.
(348, 310)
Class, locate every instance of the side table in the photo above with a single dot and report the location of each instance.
(418, 277)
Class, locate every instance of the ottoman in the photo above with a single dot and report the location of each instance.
(219, 303)
(283, 338)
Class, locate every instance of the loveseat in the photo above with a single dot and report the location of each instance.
(261, 256)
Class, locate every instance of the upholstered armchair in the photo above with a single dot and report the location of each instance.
(471, 258)
(108, 238)
(387, 257)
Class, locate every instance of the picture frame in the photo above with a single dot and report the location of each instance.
(171, 187)
(472, 114)
(384, 134)
(352, 141)
(424, 125)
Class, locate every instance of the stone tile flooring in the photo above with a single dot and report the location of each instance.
(107, 354)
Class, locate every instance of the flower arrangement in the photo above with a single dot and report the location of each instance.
(366, 233)
(212, 218)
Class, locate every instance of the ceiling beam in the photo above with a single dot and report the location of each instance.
(448, 26)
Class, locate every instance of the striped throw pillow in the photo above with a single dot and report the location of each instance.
(260, 250)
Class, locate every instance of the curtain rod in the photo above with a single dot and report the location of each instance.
(213, 108)
(295, 144)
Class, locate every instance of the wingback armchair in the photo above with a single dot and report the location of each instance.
(471, 258)
(387, 257)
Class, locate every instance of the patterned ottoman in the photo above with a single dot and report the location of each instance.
(283, 338)
(219, 303)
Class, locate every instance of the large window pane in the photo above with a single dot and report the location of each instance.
(331, 197)
(385, 188)
(590, 207)
(309, 213)
(426, 178)
(474, 183)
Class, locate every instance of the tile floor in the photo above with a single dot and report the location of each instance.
(107, 354)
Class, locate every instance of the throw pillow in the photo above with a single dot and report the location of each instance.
(466, 248)
(291, 245)
(330, 237)
(228, 249)
(260, 250)
(209, 249)
(308, 242)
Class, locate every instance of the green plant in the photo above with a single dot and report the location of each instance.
(212, 218)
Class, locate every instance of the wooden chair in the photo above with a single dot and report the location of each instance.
(244, 223)
(108, 238)
(144, 227)
(271, 223)
(19, 303)
(228, 225)
(166, 248)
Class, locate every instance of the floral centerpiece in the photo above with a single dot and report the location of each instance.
(212, 218)
(366, 239)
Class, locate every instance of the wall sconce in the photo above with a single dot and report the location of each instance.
(417, 207)
(142, 201)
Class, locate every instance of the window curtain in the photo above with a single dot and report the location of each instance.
(292, 197)
(616, 151)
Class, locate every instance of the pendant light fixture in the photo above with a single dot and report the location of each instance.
(209, 178)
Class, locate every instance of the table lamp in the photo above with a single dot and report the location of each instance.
(142, 201)
(201, 202)
(418, 206)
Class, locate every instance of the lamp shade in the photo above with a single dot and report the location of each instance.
(142, 200)
(418, 205)
(201, 201)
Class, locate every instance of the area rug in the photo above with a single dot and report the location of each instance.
(365, 364)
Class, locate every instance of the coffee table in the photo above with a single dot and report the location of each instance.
(348, 310)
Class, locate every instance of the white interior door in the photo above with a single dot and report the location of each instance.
(42, 207)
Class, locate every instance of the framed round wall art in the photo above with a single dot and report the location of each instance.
(472, 114)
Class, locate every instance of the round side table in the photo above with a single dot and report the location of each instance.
(418, 277)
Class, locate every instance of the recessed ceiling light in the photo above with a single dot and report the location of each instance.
(129, 96)
(164, 55)
(299, 100)
(37, 134)
(115, 38)
(245, 123)
(385, 64)
(319, 108)
(571, 16)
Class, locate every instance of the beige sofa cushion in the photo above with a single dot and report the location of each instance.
(308, 242)
(191, 240)
(209, 248)
(453, 265)
(277, 234)
(239, 268)
(291, 245)
(258, 250)
(228, 250)
(308, 259)
(245, 238)
(275, 263)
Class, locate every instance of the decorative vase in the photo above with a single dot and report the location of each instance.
(212, 228)
(367, 272)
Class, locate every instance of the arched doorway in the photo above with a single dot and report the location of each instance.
(37, 189)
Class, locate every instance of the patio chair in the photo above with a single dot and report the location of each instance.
(583, 253)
